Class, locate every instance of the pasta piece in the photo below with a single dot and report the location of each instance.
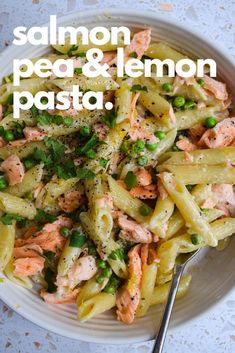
(162, 51)
(169, 250)
(112, 144)
(125, 202)
(90, 289)
(105, 245)
(81, 48)
(25, 116)
(32, 85)
(85, 117)
(21, 151)
(185, 119)
(47, 198)
(20, 281)
(149, 273)
(16, 205)
(7, 239)
(97, 84)
(157, 105)
(188, 208)
(67, 258)
(202, 174)
(207, 156)
(161, 214)
(160, 292)
(30, 182)
(95, 306)
(123, 97)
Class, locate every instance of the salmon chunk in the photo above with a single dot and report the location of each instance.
(217, 88)
(70, 201)
(28, 266)
(222, 135)
(132, 231)
(129, 296)
(139, 44)
(14, 169)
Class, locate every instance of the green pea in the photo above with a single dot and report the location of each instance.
(101, 263)
(68, 121)
(100, 278)
(109, 289)
(85, 131)
(189, 104)
(64, 231)
(178, 102)
(138, 146)
(145, 210)
(3, 183)
(9, 135)
(142, 160)
(29, 163)
(167, 87)
(151, 146)
(160, 135)
(210, 122)
(107, 272)
(196, 239)
(44, 100)
(201, 82)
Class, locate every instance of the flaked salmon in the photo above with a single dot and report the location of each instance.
(129, 296)
(14, 169)
(222, 135)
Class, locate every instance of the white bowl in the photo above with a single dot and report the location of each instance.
(213, 274)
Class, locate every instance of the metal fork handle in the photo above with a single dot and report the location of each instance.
(160, 338)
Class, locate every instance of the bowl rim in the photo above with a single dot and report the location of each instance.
(222, 51)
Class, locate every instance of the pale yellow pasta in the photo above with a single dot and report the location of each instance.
(188, 208)
(29, 183)
(16, 205)
(202, 174)
(112, 144)
(21, 151)
(25, 116)
(105, 245)
(157, 105)
(20, 281)
(7, 239)
(90, 289)
(160, 292)
(125, 202)
(32, 85)
(169, 250)
(67, 258)
(211, 156)
(83, 118)
(81, 48)
(164, 209)
(162, 51)
(149, 273)
(185, 119)
(95, 306)
(97, 84)
(47, 198)
(123, 97)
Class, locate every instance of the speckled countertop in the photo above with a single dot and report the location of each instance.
(213, 332)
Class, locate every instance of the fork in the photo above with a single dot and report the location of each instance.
(180, 264)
